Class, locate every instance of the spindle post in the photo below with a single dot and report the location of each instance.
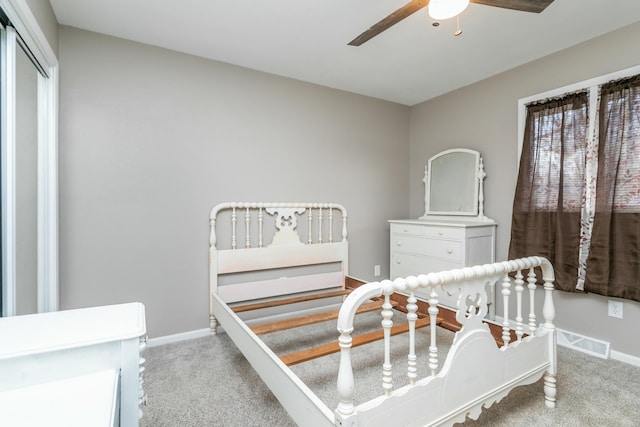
(412, 316)
(387, 323)
(330, 224)
(548, 309)
(433, 314)
(320, 225)
(506, 292)
(260, 222)
(549, 314)
(234, 221)
(310, 225)
(346, 406)
(247, 222)
(531, 285)
(519, 288)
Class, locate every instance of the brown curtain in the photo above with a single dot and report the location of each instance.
(551, 183)
(613, 265)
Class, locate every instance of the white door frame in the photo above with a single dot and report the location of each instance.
(27, 28)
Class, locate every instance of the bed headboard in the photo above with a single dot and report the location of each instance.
(273, 247)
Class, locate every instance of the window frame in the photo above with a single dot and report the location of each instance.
(592, 85)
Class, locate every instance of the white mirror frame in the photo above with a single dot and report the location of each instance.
(476, 174)
(27, 26)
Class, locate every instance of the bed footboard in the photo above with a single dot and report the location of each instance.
(476, 372)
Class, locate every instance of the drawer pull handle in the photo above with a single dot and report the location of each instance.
(450, 251)
(398, 262)
(440, 233)
(398, 243)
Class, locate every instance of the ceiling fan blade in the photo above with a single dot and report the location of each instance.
(397, 16)
(535, 6)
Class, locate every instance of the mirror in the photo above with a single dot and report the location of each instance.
(453, 184)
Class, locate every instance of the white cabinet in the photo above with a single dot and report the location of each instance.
(426, 246)
(74, 350)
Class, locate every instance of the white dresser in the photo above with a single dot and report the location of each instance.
(70, 367)
(423, 246)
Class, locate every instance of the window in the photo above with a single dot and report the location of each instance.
(551, 181)
(613, 263)
(577, 200)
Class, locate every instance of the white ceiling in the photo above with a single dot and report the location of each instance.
(307, 40)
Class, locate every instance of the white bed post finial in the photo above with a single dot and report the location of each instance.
(506, 292)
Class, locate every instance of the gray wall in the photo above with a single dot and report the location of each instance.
(151, 139)
(484, 116)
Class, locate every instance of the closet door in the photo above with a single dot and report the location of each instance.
(26, 182)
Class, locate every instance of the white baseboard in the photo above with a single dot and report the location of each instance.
(168, 339)
(626, 358)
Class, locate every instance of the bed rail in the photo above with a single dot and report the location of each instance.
(474, 338)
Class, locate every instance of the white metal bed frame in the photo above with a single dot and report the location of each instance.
(475, 373)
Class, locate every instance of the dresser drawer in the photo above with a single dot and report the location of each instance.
(444, 233)
(409, 229)
(403, 265)
(450, 250)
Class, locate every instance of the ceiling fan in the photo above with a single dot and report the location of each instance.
(535, 6)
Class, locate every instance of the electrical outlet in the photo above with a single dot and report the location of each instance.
(615, 309)
(376, 270)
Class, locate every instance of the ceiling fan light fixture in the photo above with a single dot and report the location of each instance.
(445, 9)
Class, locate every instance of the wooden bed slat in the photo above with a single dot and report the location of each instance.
(277, 303)
(281, 325)
(333, 347)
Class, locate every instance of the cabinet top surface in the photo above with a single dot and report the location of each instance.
(36, 333)
(445, 222)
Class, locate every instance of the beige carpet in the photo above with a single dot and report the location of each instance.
(207, 382)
